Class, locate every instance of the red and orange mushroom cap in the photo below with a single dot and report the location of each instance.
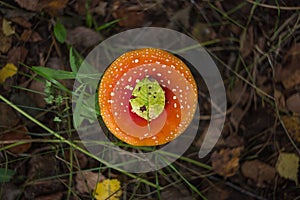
(147, 97)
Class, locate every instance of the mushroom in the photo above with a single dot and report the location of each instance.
(147, 97)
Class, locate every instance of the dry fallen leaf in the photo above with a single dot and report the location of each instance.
(130, 16)
(260, 172)
(226, 161)
(292, 124)
(100, 9)
(32, 5)
(38, 96)
(7, 28)
(87, 181)
(8, 116)
(30, 36)
(293, 103)
(17, 55)
(289, 72)
(78, 37)
(108, 189)
(17, 135)
(7, 71)
(53, 7)
(287, 166)
(5, 43)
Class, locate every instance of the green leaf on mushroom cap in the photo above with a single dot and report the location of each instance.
(148, 99)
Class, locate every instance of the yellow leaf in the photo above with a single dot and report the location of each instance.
(287, 166)
(7, 28)
(8, 71)
(108, 189)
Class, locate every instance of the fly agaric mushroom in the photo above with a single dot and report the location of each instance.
(147, 97)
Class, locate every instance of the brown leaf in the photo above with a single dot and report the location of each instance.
(30, 36)
(8, 117)
(100, 9)
(41, 166)
(32, 5)
(5, 43)
(293, 103)
(259, 172)
(226, 161)
(17, 135)
(130, 16)
(87, 181)
(82, 37)
(17, 55)
(289, 72)
(53, 7)
(21, 21)
(37, 96)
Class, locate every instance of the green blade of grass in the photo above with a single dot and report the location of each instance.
(70, 143)
(53, 73)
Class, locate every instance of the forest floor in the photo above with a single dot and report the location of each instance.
(256, 46)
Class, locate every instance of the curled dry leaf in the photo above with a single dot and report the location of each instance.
(287, 166)
(226, 161)
(87, 181)
(17, 135)
(259, 172)
(292, 124)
